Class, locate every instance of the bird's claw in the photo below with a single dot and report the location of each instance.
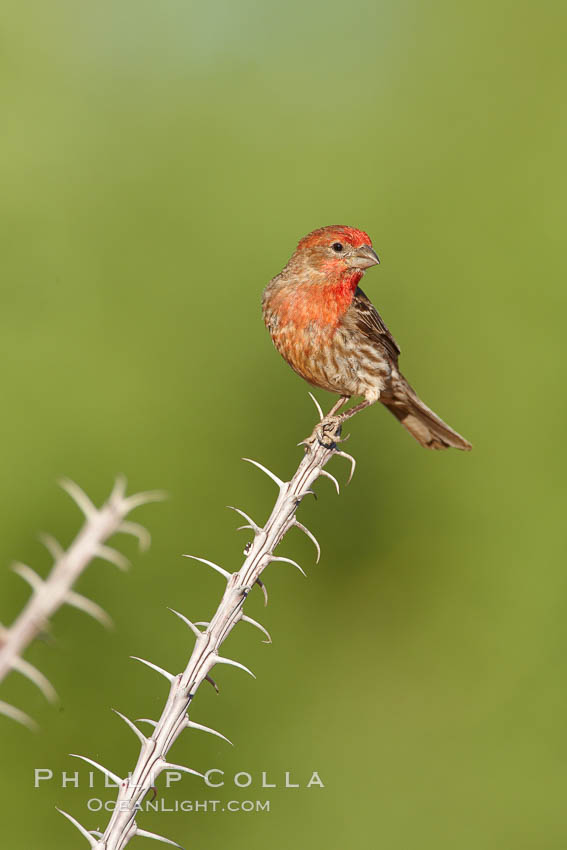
(327, 433)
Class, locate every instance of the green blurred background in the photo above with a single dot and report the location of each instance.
(159, 163)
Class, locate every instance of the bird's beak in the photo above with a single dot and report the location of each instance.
(364, 257)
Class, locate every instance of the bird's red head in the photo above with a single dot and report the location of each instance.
(325, 236)
(336, 250)
(319, 281)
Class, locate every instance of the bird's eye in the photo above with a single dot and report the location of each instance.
(337, 247)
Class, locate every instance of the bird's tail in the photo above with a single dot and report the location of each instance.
(427, 428)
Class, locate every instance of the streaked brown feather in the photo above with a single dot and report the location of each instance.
(370, 322)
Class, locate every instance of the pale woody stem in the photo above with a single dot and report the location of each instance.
(51, 596)
(152, 759)
(57, 589)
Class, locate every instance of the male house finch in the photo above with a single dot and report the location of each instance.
(329, 332)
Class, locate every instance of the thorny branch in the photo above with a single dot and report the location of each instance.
(152, 760)
(56, 590)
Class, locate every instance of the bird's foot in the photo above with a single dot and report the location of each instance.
(327, 433)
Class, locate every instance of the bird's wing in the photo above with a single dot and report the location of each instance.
(369, 322)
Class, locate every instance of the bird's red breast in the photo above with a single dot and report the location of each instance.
(321, 302)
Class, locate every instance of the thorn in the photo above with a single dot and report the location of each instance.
(271, 475)
(52, 545)
(204, 623)
(352, 463)
(102, 769)
(79, 497)
(318, 406)
(39, 680)
(192, 725)
(107, 553)
(140, 735)
(191, 625)
(139, 499)
(332, 478)
(92, 841)
(219, 659)
(136, 530)
(288, 561)
(246, 619)
(246, 517)
(147, 720)
(241, 527)
(166, 765)
(262, 586)
(28, 575)
(169, 676)
(216, 567)
(310, 536)
(19, 716)
(119, 490)
(143, 833)
(76, 600)
(212, 682)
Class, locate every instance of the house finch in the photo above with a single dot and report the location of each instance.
(329, 332)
